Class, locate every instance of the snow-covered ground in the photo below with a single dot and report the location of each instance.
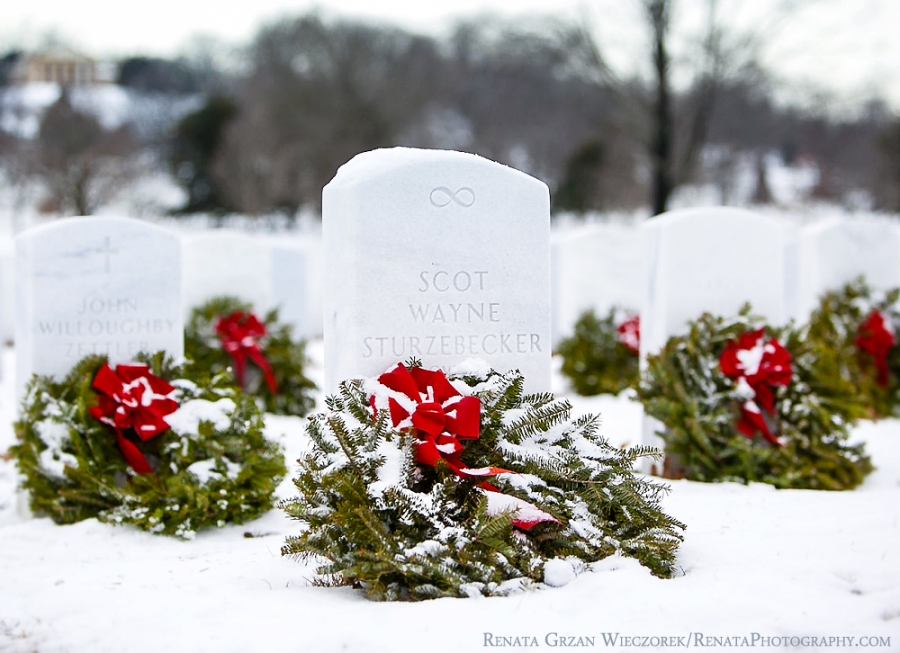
(756, 563)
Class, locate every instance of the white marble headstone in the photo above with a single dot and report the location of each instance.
(296, 284)
(95, 286)
(597, 267)
(708, 260)
(834, 252)
(231, 263)
(7, 290)
(435, 255)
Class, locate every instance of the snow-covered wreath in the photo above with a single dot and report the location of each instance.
(742, 401)
(146, 444)
(601, 356)
(263, 356)
(861, 325)
(420, 485)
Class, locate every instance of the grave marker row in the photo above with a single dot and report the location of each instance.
(114, 286)
(438, 256)
(833, 252)
(283, 273)
(95, 286)
(594, 267)
(715, 260)
(434, 255)
(700, 260)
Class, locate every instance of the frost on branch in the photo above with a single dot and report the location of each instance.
(210, 467)
(380, 519)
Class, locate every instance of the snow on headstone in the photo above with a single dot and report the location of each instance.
(708, 260)
(95, 286)
(595, 267)
(435, 255)
(226, 263)
(834, 252)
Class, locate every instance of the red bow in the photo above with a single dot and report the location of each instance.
(759, 365)
(131, 397)
(442, 417)
(875, 339)
(630, 333)
(239, 333)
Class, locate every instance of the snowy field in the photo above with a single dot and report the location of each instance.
(756, 563)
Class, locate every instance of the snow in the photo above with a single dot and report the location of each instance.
(375, 163)
(53, 459)
(558, 572)
(204, 469)
(471, 366)
(751, 358)
(23, 105)
(499, 503)
(426, 548)
(188, 416)
(390, 473)
(778, 563)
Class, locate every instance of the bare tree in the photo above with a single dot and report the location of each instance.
(81, 164)
(318, 94)
(674, 126)
(888, 189)
(680, 129)
(528, 92)
(16, 170)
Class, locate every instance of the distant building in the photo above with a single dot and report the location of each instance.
(64, 67)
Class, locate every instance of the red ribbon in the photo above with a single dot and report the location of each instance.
(442, 417)
(875, 339)
(761, 365)
(630, 333)
(240, 333)
(133, 398)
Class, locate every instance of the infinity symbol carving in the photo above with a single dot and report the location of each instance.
(443, 196)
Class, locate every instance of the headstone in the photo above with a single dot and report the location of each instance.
(595, 267)
(834, 252)
(708, 260)
(95, 286)
(219, 262)
(792, 270)
(435, 255)
(7, 291)
(296, 284)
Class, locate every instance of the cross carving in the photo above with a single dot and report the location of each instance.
(106, 249)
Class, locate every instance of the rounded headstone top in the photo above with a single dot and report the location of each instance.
(81, 222)
(867, 224)
(708, 213)
(215, 236)
(377, 163)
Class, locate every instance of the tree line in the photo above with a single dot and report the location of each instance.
(265, 135)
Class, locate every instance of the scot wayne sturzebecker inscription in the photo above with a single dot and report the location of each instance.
(439, 256)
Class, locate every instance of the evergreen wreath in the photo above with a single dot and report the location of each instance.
(420, 498)
(276, 375)
(602, 354)
(789, 429)
(861, 325)
(205, 461)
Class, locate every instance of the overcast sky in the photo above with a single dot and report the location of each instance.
(849, 47)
